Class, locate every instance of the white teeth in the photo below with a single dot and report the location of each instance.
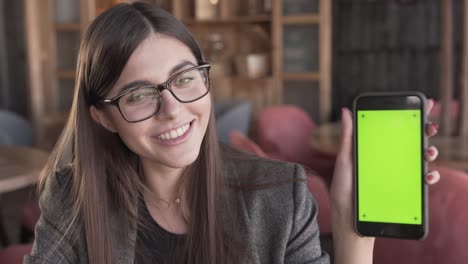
(174, 133)
(185, 128)
(180, 132)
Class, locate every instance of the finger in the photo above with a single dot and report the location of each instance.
(346, 133)
(431, 129)
(430, 105)
(431, 153)
(432, 177)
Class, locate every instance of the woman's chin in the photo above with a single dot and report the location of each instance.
(182, 161)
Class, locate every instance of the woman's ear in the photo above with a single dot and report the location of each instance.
(101, 118)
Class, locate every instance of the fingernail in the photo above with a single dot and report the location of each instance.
(431, 152)
(430, 178)
(436, 126)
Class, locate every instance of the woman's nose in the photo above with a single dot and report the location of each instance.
(170, 106)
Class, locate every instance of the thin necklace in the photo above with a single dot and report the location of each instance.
(175, 201)
(169, 204)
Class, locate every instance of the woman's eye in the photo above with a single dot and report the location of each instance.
(138, 97)
(184, 80)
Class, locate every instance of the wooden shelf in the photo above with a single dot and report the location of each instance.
(68, 27)
(301, 76)
(233, 20)
(66, 75)
(242, 78)
(43, 29)
(55, 119)
(301, 19)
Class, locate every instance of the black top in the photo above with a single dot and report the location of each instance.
(154, 244)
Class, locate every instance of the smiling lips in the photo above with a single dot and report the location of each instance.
(175, 133)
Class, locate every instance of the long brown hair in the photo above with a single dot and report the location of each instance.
(105, 174)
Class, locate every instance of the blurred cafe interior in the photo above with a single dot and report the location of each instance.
(281, 72)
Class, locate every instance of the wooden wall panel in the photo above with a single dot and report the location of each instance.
(14, 59)
(389, 45)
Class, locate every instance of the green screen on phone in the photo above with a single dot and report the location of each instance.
(389, 166)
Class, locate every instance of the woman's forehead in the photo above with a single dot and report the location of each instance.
(154, 59)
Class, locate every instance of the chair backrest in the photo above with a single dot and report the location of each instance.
(285, 129)
(242, 142)
(232, 115)
(14, 254)
(14, 129)
(448, 227)
(319, 190)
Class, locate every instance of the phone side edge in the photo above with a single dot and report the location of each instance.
(355, 182)
(425, 188)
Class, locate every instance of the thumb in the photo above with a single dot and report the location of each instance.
(346, 134)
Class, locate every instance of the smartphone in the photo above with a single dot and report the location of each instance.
(389, 165)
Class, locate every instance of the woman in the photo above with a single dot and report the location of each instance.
(148, 182)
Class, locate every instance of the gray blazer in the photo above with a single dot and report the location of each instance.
(279, 223)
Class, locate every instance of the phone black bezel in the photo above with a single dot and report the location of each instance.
(386, 101)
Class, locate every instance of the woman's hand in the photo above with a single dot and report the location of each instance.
(348, 246)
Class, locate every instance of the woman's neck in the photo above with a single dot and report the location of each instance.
(162, 181)
(164, 185)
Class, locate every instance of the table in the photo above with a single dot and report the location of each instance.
(20, 167)
(326, 138)
(453, 151)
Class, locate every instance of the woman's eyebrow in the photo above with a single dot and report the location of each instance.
(134, 84)
(138, 83)
(180, 66)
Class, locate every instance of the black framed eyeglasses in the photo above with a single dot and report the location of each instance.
(140, 103)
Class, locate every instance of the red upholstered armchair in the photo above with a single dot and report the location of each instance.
(316, 185)
(319, 190)
(285, 132)
(14, 254)
(447, 241)
(242, 142)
